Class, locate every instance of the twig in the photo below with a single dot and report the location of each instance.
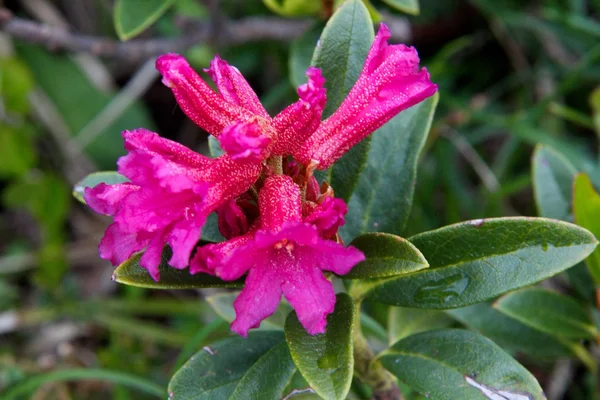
(240, 31)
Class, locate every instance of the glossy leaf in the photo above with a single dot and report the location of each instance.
(258, 367)
(586, 207)
(108, 177)
(553, 177)
(133, 274)
(407, 6)
(294, 8)
(326, 361)
(386, 255)
(222, 304)
(549, 312)
(384, 194)
(511, 334)
(341, 53)
(476, 260)
(459, 364)
(404, 322)
(132, 17)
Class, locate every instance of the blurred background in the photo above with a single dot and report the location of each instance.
(75, 73)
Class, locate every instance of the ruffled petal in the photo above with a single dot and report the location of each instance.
(298, 121)
(117, 245)
(331, 256)
(105, 199)
(328, 216)
(310, 294)
(152, 257)
(245, 141)
(183, 238)
(199, 102)
(217, 257)
(234, 88)
(258, 300)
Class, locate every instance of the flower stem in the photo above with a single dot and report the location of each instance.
(368, 369)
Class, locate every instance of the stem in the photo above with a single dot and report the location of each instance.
(276, 162)
(368, 369)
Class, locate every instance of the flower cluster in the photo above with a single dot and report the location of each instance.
(280, 224)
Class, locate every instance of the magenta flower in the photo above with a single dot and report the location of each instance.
(390, 82)
(285, 256)
(281, 225)
(172, 191)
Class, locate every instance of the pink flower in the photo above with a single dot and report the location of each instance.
(172, 190)
(328, 216)
(245, 141)
(389, 83)
(285, 256)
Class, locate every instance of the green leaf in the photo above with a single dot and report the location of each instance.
(294, 8)
(326, 361)
(386, 255)
(341, 53)
(108, 177)
(595, 105)
(384, 194)
(459, 364)
(78, 101)
(553, 177)
(407, 6)
(301, 53)
(258, 367)
(214, 147)
(16, 83)
(17, 150)
(476, 260)
(404, 322)
(132, 17)
(511, 334)
(549, 312)
(133, 274)
(222, 304)
(586, 207)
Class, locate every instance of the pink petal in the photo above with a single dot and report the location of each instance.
(389, 83)
(279, 201)
(298, 121)
(152, 257)
(183, 238)
(105, 199)
(310, 294)
(331, 256)
(258, 300)
(217, 256)
(234, 88)
(245, 141)
(328, 216)
(117, 245)
(199, 102)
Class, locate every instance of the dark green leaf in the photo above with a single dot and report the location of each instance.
(258, 367)
(476, 260)
(132, 273)
(108, 177)
(404, 322)
(408, 6)
(386, 255)
(510, 333)
(301, 53)
(222, 304)
(459, 364)
(383, 197)
(132, 17)
(326, 361)
(341, 53)
(210, 230)
(549, 312)
(553, 177)
(586, 207)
